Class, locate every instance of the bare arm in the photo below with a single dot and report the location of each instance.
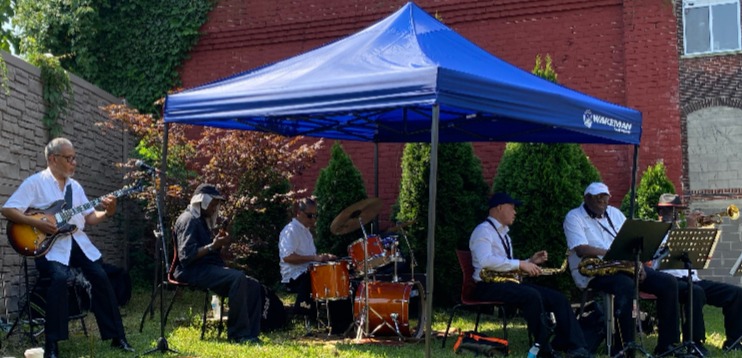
(296, 259)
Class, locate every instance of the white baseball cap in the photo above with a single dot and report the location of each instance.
(597, 188)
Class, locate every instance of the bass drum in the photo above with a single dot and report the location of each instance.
(395, 308)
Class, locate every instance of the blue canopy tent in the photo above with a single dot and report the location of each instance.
(407, 78)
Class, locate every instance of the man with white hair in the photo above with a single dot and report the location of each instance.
(200, 264)
(590, 230)
(71, 249)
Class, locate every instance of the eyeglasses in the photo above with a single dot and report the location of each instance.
(311, 215)
(68, 158)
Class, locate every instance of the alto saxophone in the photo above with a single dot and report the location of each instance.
(515, 276)
(593, 266)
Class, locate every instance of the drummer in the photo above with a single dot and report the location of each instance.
(297, 252)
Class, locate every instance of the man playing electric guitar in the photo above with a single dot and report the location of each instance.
(72, 249)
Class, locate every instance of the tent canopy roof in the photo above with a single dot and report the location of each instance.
(381, 84)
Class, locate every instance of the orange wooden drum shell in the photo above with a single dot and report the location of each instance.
(330, 280)
(386, 298)
(377, 255)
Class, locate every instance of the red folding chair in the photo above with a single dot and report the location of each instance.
(467, 299)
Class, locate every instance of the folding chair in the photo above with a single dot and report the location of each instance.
(467, 300)
(172, 282)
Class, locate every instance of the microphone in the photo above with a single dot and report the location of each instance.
(146, 167)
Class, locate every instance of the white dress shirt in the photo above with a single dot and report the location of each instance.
(295, 238)
(582, 229)
(40, 191)
(487, 249)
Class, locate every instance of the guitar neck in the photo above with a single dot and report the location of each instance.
(65, 215)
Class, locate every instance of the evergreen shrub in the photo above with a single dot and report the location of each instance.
(461, 199)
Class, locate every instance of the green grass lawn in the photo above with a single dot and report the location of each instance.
(183, 330)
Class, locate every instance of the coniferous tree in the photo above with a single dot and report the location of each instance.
(460, 202)
(338, 186)
(654, 182)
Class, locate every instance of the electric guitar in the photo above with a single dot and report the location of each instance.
(30, 241)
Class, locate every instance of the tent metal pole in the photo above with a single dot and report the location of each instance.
(163, 175)
(633, 181)
(433, 179)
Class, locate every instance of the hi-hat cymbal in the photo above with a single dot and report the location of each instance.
(348, 219)
(400, 226)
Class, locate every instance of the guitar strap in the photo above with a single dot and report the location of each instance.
(68, 196)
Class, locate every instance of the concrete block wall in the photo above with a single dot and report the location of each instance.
(22, 141)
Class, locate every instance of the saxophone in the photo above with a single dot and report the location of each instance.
(515, 276)
(593, 266)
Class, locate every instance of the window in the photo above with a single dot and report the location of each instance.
(711, 26)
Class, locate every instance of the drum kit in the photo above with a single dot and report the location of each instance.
(379, 307)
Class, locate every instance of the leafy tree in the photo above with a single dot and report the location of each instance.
(654, 182)
(549, 179)
(460, 202)
(251, 169)
(338, 186)
(130, 48)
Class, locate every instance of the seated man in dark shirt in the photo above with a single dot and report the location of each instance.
(200, 264)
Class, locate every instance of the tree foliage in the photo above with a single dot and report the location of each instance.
(654, 182)
(338, 186)
(549, 179)
(130, 48)
(460, 204)
(251, 169)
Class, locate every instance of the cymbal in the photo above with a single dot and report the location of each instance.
(400, 226)
(348, 219)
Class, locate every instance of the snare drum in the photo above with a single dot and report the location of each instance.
(377, 256)
(394, 308)
(330, 281)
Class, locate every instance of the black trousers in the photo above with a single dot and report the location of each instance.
(718, 294)
(302, 287)
(662, 285)
(104, 305)
(535, 302)
(244, 292)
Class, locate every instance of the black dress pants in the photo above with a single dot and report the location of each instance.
(718, 294)
(535, 302)
(662, 285)
(244, 292)
(104, 305)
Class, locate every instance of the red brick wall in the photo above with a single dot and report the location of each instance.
(620, 51)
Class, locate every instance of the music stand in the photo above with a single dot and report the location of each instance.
(689, 249)
(636, 241)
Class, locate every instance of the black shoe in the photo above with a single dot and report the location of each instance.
(122, 344)
(51, 350)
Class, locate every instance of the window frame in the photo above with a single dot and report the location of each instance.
(693, 4)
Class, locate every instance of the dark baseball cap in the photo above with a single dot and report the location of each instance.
(502, 198)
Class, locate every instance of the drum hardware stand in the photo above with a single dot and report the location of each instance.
(363, 326)
(413, 263)
(26, 309)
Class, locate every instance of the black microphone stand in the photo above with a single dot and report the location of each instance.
(162, 345)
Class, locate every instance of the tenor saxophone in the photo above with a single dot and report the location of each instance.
(516, 276)
(593, 266)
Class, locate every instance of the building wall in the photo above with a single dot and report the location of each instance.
(711, 124)
(22, 141)
(591, 43)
